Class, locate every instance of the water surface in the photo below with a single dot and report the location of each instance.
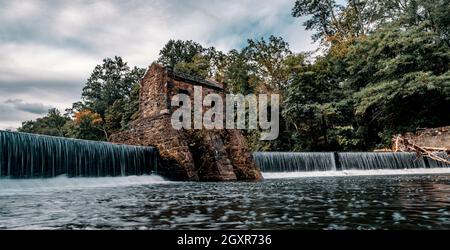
(327, 202)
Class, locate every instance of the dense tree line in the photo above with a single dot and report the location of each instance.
(382, 68)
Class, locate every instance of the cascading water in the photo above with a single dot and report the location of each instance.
(276, 162)
(438, 164)
(380, 160)
(26, 156)
(294, 162)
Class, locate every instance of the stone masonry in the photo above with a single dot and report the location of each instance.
(194, 155)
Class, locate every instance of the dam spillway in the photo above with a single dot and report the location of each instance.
(272, 162)
(380, 160)
(25, 155)
(294, 161)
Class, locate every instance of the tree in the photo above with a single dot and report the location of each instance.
(268, 59)
(401, 81)
(88, 125)
(384, 71)
(239, 74)
(436, 13)
(192, 58)
(394, 51)
(112, 91)
(316, 107)
(336, 23)
(131, 107)
(178, 51)
(51, 124)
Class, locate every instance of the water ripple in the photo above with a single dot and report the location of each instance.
(352, 202)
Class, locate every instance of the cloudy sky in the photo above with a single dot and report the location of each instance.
(48, 48)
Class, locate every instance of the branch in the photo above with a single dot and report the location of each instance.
(410, 146)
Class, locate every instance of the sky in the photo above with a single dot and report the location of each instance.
(49, 48)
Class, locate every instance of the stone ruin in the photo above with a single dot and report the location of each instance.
(192, 155)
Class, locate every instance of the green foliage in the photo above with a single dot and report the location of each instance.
(335, 22)
(418, 99)
(51, 124)
(87, 125)
(320, 13)
(400, 79)
(263, 66)
(179, 51)
(192, 58)
(393, 51)
(112, 91)
(268, 59)
(391, 78)
(238, 73)
(113, 80)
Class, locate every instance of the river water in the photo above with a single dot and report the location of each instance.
(413, 201)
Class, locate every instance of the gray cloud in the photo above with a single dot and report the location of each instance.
(13, 113)
(48, 48)
(9, 113)
(34, 108)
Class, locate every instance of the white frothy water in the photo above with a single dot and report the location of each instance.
(61, 183)
(284, 175)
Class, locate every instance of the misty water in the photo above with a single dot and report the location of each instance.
(413, 201)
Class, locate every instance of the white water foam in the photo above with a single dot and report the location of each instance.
(284, 175)
(61, 183)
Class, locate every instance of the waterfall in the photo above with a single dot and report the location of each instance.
(25, 155)
(271, 162)
(294, 162)
(438, 164)
(380, 160)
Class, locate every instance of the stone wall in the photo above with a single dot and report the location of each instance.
(205, 155)
(176, 161)
(241, 158)
(154, 96)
